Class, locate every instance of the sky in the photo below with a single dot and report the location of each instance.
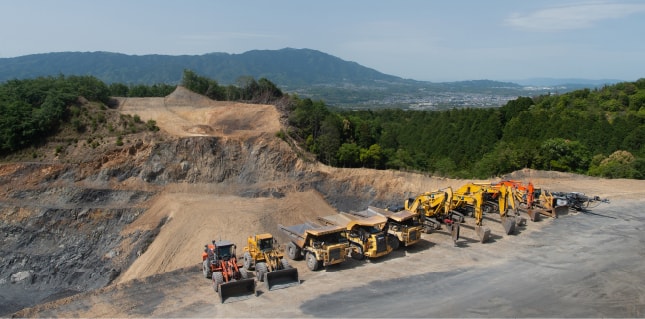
(428, 40)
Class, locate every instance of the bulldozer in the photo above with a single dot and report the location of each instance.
(263, 254)
(321, 246)
(230, 282)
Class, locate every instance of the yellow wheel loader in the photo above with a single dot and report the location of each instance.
(263, 254)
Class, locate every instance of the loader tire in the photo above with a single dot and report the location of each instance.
(244, 273)
(218, 279)
(285, 263)
(312, 263)
(293, 251)
(248, 261)
(394, 242)
(206, 269)
(260, 270)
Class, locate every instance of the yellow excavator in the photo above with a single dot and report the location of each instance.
(263, 254)
(434, 209)
(480, 198)
(535, 201)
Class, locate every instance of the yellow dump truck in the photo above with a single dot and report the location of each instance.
(320, 245)
(403, 227)
(366, 235)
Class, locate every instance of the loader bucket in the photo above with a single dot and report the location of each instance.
(237, 290)
(281, 278)
(509, 224)
(483, 233)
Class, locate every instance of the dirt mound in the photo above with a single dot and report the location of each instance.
(184, 113)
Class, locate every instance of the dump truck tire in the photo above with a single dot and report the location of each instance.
(206, 269)
(260, 270)
(312, 262)
(248, 261)
(394, 242)
(293, 251)
(357, 254)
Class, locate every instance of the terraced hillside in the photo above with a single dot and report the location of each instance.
(118, 231)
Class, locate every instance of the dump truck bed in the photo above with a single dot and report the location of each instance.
(349, 221)
(399, 216)
(299, 232)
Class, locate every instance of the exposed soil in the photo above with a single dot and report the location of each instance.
(121, 233)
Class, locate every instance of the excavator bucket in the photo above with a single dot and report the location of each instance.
(534, 215)
(483, 233)
(281, 278)
(454, 231)
(509, 224)
(237, 290)
(560, 210)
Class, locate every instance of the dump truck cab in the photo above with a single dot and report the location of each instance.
(365, 235)
(403, 227)
(320, 245)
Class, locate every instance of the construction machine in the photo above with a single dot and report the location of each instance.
(434, 209)
(478, 198)
(366, 236)
(230, 282)
(535, 201)
(320, 245)
(263, 254)
(579, 201)
(403, 227)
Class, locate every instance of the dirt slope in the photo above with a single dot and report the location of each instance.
(219, 172)
(184, 113)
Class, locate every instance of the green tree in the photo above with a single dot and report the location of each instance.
(349, 155)
(564, 155)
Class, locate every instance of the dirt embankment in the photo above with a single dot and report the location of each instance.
(215, 171)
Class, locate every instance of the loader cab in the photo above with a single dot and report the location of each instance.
(224, 250)
(266, 244)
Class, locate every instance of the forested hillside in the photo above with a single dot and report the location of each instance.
(596, 132)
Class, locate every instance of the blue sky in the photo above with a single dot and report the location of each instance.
(418, 39)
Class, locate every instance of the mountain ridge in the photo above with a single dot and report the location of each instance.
(306, 72)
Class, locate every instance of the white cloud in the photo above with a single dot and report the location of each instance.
(576, 16)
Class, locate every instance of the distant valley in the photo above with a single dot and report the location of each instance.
(308, 73)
